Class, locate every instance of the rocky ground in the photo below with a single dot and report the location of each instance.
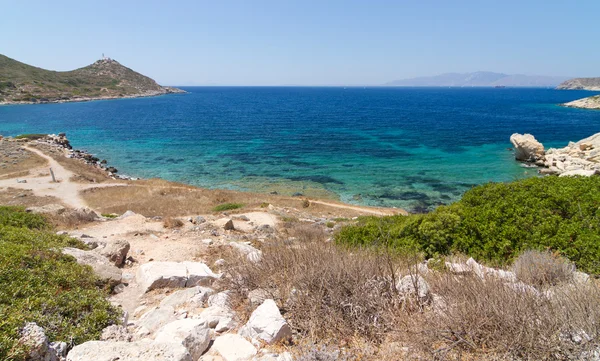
(585, 103)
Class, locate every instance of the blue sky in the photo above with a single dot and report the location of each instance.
(196, 42)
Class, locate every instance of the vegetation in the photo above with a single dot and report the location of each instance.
(498, 221)
(40, 284)
(22, 82)
(227, 207)
(31, 136)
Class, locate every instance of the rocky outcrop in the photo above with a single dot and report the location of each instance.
(580, 84)
(585, 103)
(576, 159)
(527, 148)
(266, 324)
(100, 264)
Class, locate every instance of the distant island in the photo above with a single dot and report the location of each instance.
(593, 84)
(105, 79)
(480, 79)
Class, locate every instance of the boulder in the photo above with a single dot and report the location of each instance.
(101, 266)
(154, 319)
(414, 285)
(199, 274)
(36, 341)
(115, 251)
(220, 299)
(266, 324)
(217, 315)
(527, 148)
(195, 296)
(154, 275)
(579, 172)
(129, 351)
(233, 347)
(229, 225)
(194, 335)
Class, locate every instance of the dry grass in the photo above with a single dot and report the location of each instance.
(335, 296)
(305, 232)
(24, 160)
(171, 222)
(25, 198)
(540, 269)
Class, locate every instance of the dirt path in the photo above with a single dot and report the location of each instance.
(40, 182)
(375, 211)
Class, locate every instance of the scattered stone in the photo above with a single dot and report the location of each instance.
(229, 225)
(129, 351)
(234, 347)
(115, 251)
(194, 335)
(266, 324)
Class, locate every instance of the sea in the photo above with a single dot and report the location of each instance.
(411, 148)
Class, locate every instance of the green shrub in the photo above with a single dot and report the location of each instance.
(496, 222)
(40, 284)
(31, 136)
(227, 207)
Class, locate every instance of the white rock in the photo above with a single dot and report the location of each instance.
(195, 296)
(527, 148)
(234, 347)
(161, 275)
(199, 274)
(129, 351)
(220, 299)
(578, 172)
(214, 315)
(101, 266)
(253, 254)
(194, 335)
(156, 318)
(266, 324)
(413, 285)
(115, 251)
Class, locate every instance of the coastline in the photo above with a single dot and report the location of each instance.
(592, 103)
(168, 90)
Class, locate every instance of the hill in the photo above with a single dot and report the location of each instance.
(592, 102)
(580, 84)
(104, 79)
(479, 79)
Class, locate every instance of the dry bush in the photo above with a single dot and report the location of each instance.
(539, 268)
(306, 232)
(171, 222)
(473, 316)
(325, 291)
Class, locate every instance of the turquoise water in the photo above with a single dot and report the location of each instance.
(402, 147)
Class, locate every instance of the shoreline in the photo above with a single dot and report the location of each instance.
(168, 90)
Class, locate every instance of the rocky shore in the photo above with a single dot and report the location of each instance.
(577, 158)
(585, 103)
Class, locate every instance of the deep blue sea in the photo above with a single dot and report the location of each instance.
(405, 147)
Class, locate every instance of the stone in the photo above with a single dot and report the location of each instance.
(580, 277)
(194, 335)
(116, 333)
(220, 299)
(101, 266)
(257, 297)
(156, 318)
(34, 338)
(214, 315)
(251, 253)
(527, 148)
(579, 172)
(229, 225)
(199, 220)
(195, 296)
(129, 351)
(115, 251)
(233, 347)
(266, 324)
(154, 275)
(199, 274)
(412, 285)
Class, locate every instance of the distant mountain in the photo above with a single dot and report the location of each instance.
(479, 79)
(104, 79)
(580, 84)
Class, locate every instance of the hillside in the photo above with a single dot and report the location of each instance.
(479, 79)
(104, 79)
(580, 84)
(585, 103)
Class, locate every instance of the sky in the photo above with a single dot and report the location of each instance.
(327, 42)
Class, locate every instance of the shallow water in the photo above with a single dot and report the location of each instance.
(404, 147)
